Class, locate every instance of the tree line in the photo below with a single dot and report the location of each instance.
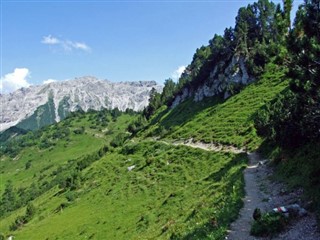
(293, 118)
(259, 36)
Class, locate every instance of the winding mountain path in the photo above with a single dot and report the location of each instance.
(240, 229)
(210, 146)
(261, 193)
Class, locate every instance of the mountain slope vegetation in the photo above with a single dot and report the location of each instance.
(118, 175)
(172, 192)
(85, 181)
(214, 120)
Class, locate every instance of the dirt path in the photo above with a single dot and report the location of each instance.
(265, 194)
(209, 146)
(240, 229)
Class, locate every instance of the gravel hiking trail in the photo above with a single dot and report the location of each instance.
(261, 192)
(209, 146)
(265, 194)
(240, 229)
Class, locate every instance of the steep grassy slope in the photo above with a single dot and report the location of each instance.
(81, 186)
(33, 163)
(173, 192)
(213, 120)
(56, 145)
(84, 189)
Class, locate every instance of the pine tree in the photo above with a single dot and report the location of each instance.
(304, 69)
(168, 91)
(287, 5)
(9, 199)
(30, 212)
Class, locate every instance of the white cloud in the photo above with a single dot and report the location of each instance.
(81, 46)
(67, 45)
(177, 73)
(49, 81)
(50, 40)
(15, 80)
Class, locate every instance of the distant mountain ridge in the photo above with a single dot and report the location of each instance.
(37, 106)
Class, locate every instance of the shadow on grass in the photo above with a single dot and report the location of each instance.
(216, 226)
(185, 111)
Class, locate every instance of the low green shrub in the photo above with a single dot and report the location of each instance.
(268, 225)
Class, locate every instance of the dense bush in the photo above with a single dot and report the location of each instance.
(118, 140)
(276, 122)
(67, 177)
(21, 220)
(294, 117)
(269, 225)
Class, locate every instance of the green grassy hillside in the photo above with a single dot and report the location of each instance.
(34, 163)
(76, 174)
(213, 120)
(173, 192)
(36, 155)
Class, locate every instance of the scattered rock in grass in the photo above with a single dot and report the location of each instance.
(130, 168)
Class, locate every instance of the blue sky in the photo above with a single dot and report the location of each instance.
(114, 40)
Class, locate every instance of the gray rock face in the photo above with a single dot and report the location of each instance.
(81, 93)
(180, 98)
(222, 78)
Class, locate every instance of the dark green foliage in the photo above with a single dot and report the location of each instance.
(66, 177)
(268, 225)
(12, 131)
(137, 124)
(292, 120)
(2, 237)
(118, 140)
(294, 117)
(9, 199)
(257, 34)
(30, 212)
(71, 196)
(154, 103)
(21, 220)
(46, 143)
(72, 180)
(201, 190)
(15, 198)
(115, 113)
(287, 5)
(304, 46)
(49, 136)
(258, 37)
(276, 121)
(300, 167)
(168, 91)
(79, 130)
(28, 165)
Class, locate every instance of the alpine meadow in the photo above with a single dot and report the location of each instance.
(92, 159)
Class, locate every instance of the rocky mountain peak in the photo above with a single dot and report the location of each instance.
(53, 101)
